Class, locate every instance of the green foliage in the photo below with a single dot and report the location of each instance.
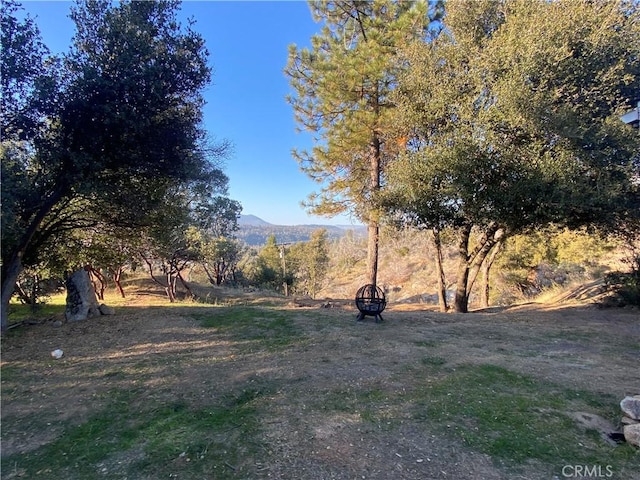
(25, 76)
(342, 86)
(552, 256)
(513, 118)
(117, 140)
(626, 287)
(213, 223)
(310, 261)
(217, 216)
(25, 70)
(504, 139)
(137, 437)
(302, 265)
(270, 265)
(555, 246)
(628, 283)
(220, 257)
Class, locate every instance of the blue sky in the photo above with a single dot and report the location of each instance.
(248, 45)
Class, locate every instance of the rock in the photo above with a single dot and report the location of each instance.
(81, 298)
(631, 407)
(106, 310)
(629, 421)
(632, 434)
(57, 354)
(57, 323)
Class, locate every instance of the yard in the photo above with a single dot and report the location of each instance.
(251, 387)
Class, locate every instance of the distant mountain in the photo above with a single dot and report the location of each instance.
(254, 231)
(252, 220)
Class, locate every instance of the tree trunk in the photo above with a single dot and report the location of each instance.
(11, 270)
(185, 284)
(374, 216)
(11, 273)
(461, 303)
(486, 269)
(221, 271)
(22, 294)
(372, 252)
(442, 285)
(477, 257)
(212, 281)
(35, 290)
(116, 274)
(169, 290)
(98, 281)
(171, 287)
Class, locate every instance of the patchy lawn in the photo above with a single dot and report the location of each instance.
(259, 388)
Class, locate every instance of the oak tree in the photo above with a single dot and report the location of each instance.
(123, 125)
(514, 111)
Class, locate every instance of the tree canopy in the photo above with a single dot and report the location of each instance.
(513, 112)
(122, 125)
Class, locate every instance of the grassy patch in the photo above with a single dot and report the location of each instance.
(261, 328)
(135, 438)
(19, 312)
(516, 418)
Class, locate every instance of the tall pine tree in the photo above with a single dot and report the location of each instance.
(342, 88)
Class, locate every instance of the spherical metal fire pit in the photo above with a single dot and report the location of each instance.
(371, 302)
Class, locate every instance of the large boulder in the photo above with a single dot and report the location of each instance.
(632, 434)
(81, 298)
(630, 406)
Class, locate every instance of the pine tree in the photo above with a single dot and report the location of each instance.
(342, 91)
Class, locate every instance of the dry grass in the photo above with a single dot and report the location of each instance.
(256, 387)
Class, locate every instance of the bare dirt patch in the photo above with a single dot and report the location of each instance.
(334, 394)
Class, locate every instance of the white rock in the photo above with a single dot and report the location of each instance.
(628, 421)
(632, 434)
(631, 407)
(57, 353)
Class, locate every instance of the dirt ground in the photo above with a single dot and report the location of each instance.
(576, 345)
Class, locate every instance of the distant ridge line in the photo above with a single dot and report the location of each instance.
(254, 231)
(253, 221)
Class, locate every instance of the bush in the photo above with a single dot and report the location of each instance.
(626, 287)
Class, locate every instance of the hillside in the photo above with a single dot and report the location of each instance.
(252, 221)
(407, 272)
(254, 231)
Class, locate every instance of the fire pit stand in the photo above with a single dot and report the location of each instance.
(371, 302)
